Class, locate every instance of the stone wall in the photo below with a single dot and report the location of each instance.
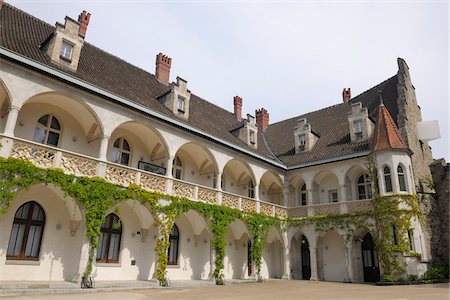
(439, 213)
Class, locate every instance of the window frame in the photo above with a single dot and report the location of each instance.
(358, 126)
(122, 151)
(412, 245)
(387, 175)
(302, 142)
(366, 184)
(177, 167)
(71, 46)
(109, 231)
(28, 222)
(401, 176)
(181, 104)
(302, 192)
(47, 130)
(331, 199)
(175, 238)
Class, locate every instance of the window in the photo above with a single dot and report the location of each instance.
(47, 131)
(358, 125)
(401, 178)
(252, 137)
(333, 195)
(121, 152)
(109, 242)
(174, 238)
(251, 189)
(412, 246)
(302, 142)
(177, 169)
(303, 195)
(394, 235)
(181, 104)
(26, 233)
(66, 51)
(387, 179)
(364, 187)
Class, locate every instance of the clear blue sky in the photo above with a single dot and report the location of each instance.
(289, 57)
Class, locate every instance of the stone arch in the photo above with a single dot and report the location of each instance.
(351, 180)
(62, 238)
(273, 254)
(325, 184)
(271, 188)
(300, 257)
(200, 165)
(331, 257)
(148, 154)
(236, 176)
(297, 196)
(236, 253)
(5, 104)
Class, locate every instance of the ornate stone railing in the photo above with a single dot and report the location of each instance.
(298, 212)
(357, 206)
(73, 163)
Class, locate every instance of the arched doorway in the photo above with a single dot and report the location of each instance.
(306, 260)
(249, 259)
(370, 259)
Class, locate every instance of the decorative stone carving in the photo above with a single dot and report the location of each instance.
(39, 156)
(78, 165)
(326, 209)
(153, 183)
(298, 212)
(359, 206)
(207, 195)
(120, 176)
(266, 208)
(182, 189)
(248, 206)
(230, 200)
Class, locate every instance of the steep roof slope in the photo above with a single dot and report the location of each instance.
(386, 135)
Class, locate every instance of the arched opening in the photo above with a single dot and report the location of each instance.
(331, 259)
(5, 106)
(195, 163)
(326, 188)
(402, 179)
(127, 146)
(273, 255)
(371, 269)
(271, 188)
(387, 179)
(61, 121)
(172, 252)
(238, 178)
(238, 261)
(358, 183)
(298, 193)
(300, 257)
(306, 258)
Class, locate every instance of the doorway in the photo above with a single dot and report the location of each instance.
(370, 259)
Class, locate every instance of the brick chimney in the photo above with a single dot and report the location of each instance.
(262, 118)
(346, 95)
(83, 19)
(237, 107)
(163, 64)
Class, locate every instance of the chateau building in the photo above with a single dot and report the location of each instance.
(67, 104)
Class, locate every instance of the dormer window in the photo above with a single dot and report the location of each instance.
(66, 51)
(302, 142)
(360, 125)
(181, 104)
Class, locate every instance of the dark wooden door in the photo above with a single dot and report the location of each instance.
(249, 259)
(370, 259)
(306, 259)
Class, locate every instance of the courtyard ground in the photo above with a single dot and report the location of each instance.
(273, 289)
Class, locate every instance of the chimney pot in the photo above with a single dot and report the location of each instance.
(346, 95)
(83, 19)
(262, 118)
(163, 64)
(237, 101)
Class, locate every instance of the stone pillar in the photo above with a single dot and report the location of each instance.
(342, 193)
(219, 181)
(103, 148)
(169, 166)
(11, 121)
(286, 193)
(84, 258)
(258, 203)
(349, 260)
(313, 257)
(286, 257)
(212, 259)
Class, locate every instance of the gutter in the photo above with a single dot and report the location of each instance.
(100, 91)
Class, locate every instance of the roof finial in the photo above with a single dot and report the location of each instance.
(381, 98)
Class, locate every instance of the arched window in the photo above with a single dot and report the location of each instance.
(177, 169)
(173, 246)
(303, 195)
(109, 242)
(47, 131)
(364, 187)
(121, 152)
(387, 179)
(26, 233)
(401, 178)
(251, 189)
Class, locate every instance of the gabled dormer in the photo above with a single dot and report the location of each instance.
(247, 131)
(361, 127)
(304, 138)
(178, 99)
(64, 45)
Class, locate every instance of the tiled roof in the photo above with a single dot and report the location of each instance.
(386, 135)
(23, 34)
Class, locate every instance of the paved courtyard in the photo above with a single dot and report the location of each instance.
(274, 289)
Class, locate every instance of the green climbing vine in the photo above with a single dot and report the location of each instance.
(96, 197)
